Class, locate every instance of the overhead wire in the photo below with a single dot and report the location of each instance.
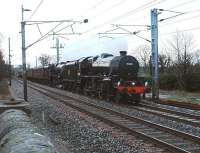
(181, 20)
(180, 13)
(133, 11)
(191, 29)
(163, 19)
(108, 9)
(45, 35)
(140, 8)
(170, 17)
(36, 9)
(185, 19)
(169, 11)
(182, 4)
(60, 22)
(96, 5)
(91, 8)
(136, 32)
(185, 13)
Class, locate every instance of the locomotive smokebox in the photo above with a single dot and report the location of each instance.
(123, 53)
(125, 66)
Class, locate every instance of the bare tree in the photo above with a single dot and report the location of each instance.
(2, 66)
(164, 62)
(1, 58)
(183, 45)
(197, 61)
(197, 57)
(28, 66)
(45, 60)
(145, 52)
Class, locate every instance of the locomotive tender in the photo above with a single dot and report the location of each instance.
(105, 76)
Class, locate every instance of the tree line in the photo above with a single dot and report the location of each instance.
(179, 63)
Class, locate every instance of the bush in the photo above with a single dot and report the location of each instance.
(193, 82)
(3, 70)
(168, 82)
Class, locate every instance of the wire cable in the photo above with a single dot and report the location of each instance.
(191, 29)
(140, 8)
(169, 11)
(170, 17)
(36, 9)
(96, 5)
(108, 9)
(184, 3)
(185, 19)
(91, 8)
(45, 35)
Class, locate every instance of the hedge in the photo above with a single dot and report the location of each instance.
(169, 81)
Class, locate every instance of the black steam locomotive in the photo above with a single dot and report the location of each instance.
(105, 76)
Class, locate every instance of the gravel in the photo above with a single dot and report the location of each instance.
(73, 131)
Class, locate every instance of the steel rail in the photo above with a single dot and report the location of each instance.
(167, 110)
(186, 105)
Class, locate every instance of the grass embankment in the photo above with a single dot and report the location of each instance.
(185, 97)
(181, 96)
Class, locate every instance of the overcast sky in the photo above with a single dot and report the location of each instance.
(101, 14)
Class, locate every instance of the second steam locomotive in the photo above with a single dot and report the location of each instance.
(105, 76)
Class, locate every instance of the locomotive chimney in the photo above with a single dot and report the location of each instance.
(123, 53)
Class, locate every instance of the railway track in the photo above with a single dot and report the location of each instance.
(179, 104)
(187, 118)
(171, 139)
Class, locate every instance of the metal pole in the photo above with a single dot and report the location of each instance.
(24, 54)
(57, 48)
(154, 48)
(9, 62)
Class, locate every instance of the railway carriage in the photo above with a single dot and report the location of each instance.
(40, 75)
